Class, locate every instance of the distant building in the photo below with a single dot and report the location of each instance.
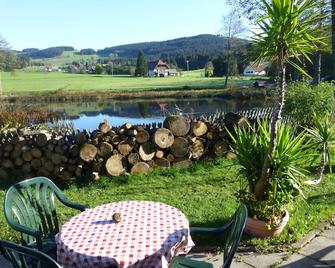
(48, 69)
(160, 68)
(254, 69)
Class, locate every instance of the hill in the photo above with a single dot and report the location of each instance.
(187, 52)
(205, 44)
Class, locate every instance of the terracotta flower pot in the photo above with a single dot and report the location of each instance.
(258, 228)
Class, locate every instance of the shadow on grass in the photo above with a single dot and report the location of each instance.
(322, 199)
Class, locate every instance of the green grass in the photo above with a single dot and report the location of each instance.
(211, 185)
(30, 82)
(205, 194)
(67, 57)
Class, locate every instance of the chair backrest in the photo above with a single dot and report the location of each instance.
(23, 257)
(234, 234)
(31, 203)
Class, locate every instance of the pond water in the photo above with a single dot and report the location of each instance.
(88, 115)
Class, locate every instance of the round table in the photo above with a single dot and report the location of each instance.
(149, 235)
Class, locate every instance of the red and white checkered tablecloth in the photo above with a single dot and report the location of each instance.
(148, 236)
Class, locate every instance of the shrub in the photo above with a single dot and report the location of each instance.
(99, 69)
(303, 100)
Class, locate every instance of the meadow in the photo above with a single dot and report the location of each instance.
(56, 82)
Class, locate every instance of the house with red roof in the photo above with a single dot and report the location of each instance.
(160, 68)
(254, 69)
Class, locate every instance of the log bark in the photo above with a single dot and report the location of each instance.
(18, 162)
(74, 150)
(81, 138)
(104, 127)
(197, 149)
(232, 119)
(140, 167)
(220, 148)
(180, 147)
(27, 156)
(179, 125)
(56, 159)
(163, 138)
(142, 136)
(36, 163)
(105, 149)
(124, 148)
(147, 151)
(133, 158)
(49, 166)
(231, 155)
(114, 165)
(116, 139)
(159, 154)
(182, 162)
(42, 139)
(162, 163)
(170, 157)
(199, 128)
(88, 152)
(35, 152)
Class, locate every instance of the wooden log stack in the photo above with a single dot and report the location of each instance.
(113, 151)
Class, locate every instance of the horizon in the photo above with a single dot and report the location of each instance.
(85, 25)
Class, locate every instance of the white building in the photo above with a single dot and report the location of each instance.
(254, 69)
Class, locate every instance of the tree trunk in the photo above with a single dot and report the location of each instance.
(317, 68)
(276, 118)
(333, 37)
(228, 59)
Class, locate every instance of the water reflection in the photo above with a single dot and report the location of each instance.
(87, 115)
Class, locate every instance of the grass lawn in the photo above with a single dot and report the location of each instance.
(204, 192)
(38, 82)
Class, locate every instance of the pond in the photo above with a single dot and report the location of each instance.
(88, 115)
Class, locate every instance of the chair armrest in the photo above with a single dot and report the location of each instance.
(199, 230)
(26, 230)
(72, 204)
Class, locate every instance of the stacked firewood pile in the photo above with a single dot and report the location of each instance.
(114, 150)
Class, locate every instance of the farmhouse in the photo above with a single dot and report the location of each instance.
(160, 68)
(254, 69)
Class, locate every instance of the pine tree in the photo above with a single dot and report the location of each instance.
(141, 65)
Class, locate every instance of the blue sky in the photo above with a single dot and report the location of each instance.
(102, 23)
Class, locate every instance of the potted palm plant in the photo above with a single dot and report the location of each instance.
(288, 33)
(269, 216)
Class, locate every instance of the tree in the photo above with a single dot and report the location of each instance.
(3, 44)
(252, 10)
(99, 69)
(219, 66)
(287, 33)
(209, 69)
(232, 26)
(141, 65)
(333, 37)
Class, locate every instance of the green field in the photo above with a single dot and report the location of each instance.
(39, 82)
(67, 57)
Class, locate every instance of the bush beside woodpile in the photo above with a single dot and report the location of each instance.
(112, 150)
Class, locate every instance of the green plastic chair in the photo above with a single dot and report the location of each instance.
(232, 232)
(24, 257)
(30, 209)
